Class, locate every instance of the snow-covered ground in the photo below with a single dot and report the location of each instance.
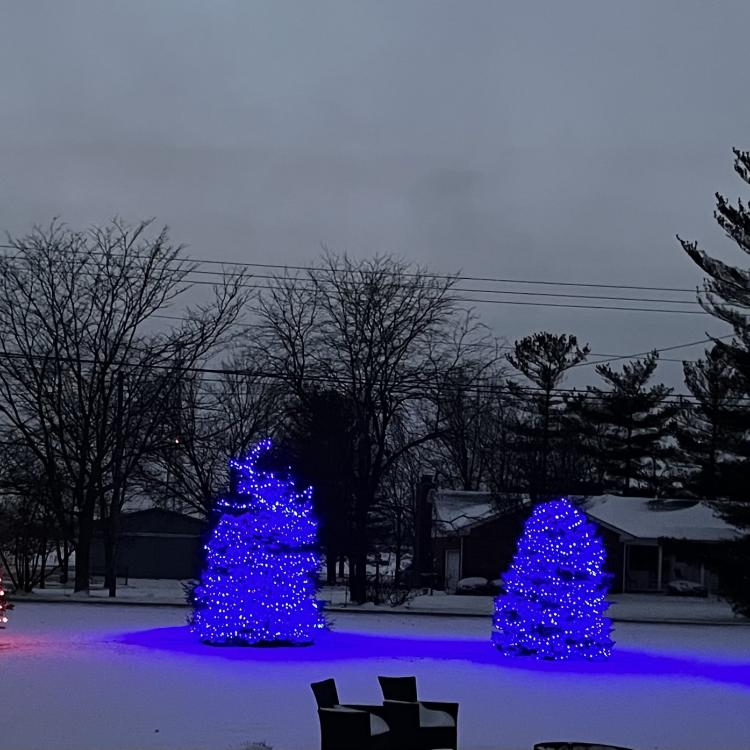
(117, 677)
(625, 607)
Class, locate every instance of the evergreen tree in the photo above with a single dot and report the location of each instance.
(726, 295)
(711, 430)
(258, 585)
(543, 358)
(726, 292)
(625, 427)
(555, 591)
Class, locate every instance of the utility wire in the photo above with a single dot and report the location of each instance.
(426, 274)
(489, 345)
(480, 300)
(491, 385)
(616, 357)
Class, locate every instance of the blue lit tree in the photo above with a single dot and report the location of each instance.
(555, 590)
(258, 585)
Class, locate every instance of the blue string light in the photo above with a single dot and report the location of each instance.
(258, 586)
(555, 591)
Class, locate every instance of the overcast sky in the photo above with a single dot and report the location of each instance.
(563, 141)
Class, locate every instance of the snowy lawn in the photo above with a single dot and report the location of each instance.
(105, 678)
(649, 607)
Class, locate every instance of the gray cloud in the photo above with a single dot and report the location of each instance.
(538, 140)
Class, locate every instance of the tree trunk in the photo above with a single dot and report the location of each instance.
(113, 522)
(110, 563)
(27, 569)
(363, 500)
(63, 559)
(358, 561)
(43, 566)
(111, 527)
(629, 470)
(376, 597)
(358, 577)
(330, 565)
(83, 554)
(397, 571)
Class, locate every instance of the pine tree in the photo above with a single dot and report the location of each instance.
(625, 427)
(726, 295)
(555, 591)
(711, 431)
(258, 585)
(543, 358)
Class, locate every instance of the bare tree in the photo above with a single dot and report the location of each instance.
(464, 400)
(212, 418)
(368, 330)
(85, 373)
(28, 531)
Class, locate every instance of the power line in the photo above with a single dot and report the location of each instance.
(427, 274)
(615, 357)
(480, 291)
(480, 300)
(479, 384)
(424, 274)
(488, 345)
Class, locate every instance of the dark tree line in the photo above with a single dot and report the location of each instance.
(368, 374)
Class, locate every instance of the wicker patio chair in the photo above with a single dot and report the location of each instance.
(424, 725)
(349, 726)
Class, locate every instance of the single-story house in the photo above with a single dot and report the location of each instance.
(475, 535)
(645, 540)
(155, 543)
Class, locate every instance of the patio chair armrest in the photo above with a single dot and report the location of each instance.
(449, 707)
(376, 709)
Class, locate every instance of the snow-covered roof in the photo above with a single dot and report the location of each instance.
(643, 518)
(455, 510)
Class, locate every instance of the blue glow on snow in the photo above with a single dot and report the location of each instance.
(337, 645)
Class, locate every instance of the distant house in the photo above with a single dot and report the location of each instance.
(155, 543)
(646, 538)
(474, 535)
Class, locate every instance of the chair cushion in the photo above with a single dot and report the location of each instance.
(377, 725)
(429, 717)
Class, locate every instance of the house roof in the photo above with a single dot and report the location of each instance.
(159, 521)
(457, 511)
(644, 518)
